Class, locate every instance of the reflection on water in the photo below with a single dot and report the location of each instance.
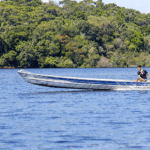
(34, 117)
(57, 92)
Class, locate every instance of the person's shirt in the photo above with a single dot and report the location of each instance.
(142, 74)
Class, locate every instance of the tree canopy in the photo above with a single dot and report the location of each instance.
(72, 34)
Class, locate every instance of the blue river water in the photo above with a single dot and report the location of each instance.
(34, 117)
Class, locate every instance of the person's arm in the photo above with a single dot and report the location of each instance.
(138, 76)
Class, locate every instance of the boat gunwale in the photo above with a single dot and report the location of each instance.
(93, 79)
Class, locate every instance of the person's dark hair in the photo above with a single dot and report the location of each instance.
(139, 66)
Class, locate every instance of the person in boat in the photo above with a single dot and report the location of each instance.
(142, 74)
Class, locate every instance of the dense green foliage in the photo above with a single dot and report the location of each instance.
(72, 34)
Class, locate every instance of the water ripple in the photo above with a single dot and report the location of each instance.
(34, 117)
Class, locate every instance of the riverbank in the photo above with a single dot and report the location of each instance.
(7, 67)
(131, 66)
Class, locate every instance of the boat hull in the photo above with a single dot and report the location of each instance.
(83, 83)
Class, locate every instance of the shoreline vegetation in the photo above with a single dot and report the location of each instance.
(8, 67)
(71, 34)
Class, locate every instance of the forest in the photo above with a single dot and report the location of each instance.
(71, 34)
